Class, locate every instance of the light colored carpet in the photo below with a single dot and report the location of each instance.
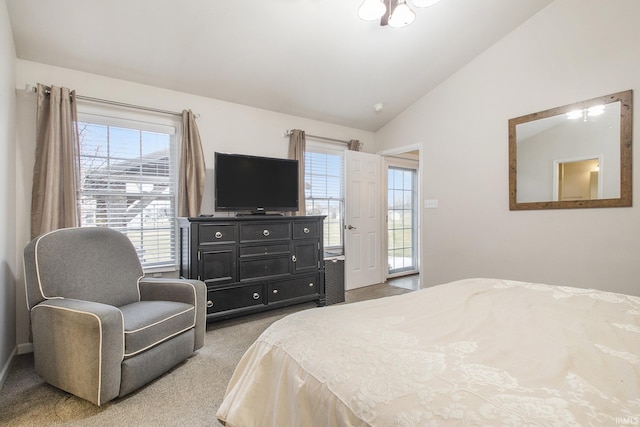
(188, 395)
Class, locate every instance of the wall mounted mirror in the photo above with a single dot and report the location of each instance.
(574, 156)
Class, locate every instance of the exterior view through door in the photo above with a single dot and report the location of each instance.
(402, 251)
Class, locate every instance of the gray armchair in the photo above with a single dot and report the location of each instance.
(100, 329)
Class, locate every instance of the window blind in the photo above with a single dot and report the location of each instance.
(324, 194)
(128, 183)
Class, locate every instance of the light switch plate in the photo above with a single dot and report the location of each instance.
(431, 203)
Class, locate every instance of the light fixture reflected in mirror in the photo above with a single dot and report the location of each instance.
(596, 110)
(575, 114)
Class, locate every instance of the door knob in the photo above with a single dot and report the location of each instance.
(351, 227)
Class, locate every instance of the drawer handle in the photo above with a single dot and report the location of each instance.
(293, 258)
(305, 230)
(209, 303)
(311, 285)
(265, 233)
(218, 235)
(275, 291)
(256, 295)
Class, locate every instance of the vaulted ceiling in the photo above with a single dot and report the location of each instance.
(309, 58)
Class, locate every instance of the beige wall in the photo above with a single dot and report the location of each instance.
(8, 251)
(572, 50)
(223, 127)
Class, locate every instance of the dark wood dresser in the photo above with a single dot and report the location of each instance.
(253, 263)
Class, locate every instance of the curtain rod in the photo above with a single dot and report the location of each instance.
(323, 138)
(124, 104)
(33, 89)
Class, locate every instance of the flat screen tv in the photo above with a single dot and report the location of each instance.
(255, 184)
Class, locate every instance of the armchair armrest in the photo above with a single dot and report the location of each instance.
(79, 347)
(163, 289)
(181, 290)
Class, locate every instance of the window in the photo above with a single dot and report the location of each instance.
(323, 190)
(128, 183)
(401, 219)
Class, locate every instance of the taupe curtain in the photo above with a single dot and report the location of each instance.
(354, 145)
(192, 168)
(54, 191)
(297, 147)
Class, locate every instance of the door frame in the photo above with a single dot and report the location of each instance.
(397, 152)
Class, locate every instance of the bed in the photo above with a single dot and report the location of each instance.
(470, 352)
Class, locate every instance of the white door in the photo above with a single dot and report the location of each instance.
(363, 220)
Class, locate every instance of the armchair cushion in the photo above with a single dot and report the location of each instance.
(147, 323)
(182, 290)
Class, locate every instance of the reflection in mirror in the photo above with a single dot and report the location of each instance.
(578, 180)
(575, 156)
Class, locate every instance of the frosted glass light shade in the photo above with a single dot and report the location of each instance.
(401, 16)
(370, 10)
(424, 3)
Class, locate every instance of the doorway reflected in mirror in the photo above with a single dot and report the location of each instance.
(578, 180)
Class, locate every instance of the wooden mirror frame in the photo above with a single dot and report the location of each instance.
(626, 123)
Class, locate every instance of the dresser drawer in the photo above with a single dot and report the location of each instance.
(217, 233)
(292, 288)
(264, 231)
(232, 298)
(261, 250)
(264, 267)
(305, 230)
(217, 264)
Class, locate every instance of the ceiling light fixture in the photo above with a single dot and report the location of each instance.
(395, 13)
(402, 15)
(370, 10)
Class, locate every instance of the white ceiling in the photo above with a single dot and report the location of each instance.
(309, 58)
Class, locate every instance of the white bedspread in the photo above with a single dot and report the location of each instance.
(471, 352)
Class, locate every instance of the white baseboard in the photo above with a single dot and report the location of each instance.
(5, 368)
(25, 348)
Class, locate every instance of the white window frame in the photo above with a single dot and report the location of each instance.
(331, 149)
(413, 169)
(149, 122)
